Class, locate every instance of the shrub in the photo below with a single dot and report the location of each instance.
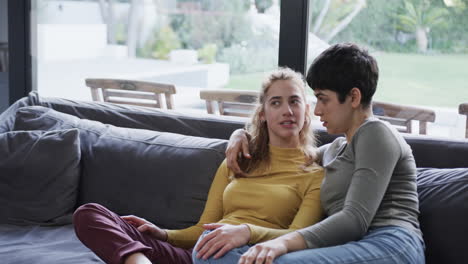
(207, 53)
(257, 54)
(159, 48)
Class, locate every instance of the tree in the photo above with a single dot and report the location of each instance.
(335, 16)
(359, 5)
(135, 17)
(134, 22)
(263, 5)
(418, 17)
(107, 12)
(221, 22)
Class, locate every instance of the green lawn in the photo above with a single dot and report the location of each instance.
(431, 80)
(249, 81)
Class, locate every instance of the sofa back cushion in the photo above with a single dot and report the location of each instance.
(199, 125)
(439, 153)
(39, 172)
(163, 177)
(443, 204)
(7, 117)
(427, 151)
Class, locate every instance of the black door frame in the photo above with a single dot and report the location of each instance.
(19, 43)
(294, 29)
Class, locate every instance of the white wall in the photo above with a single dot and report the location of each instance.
(70, 12)
(3, 21)
(68, 42)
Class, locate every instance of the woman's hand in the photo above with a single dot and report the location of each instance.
(264, 252)
(145, 226)
(238, 143)
(223, 238)
(267, 251)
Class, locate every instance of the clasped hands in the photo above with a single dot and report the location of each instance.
(219, 241)
(226, 237)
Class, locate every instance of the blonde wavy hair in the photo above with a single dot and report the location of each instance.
(258, 130)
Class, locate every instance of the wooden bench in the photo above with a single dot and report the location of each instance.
(463, 110)
(242, 103)
(230, 102)
(132, 92)
(401, 116)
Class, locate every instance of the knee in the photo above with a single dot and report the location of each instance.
(196, 260)
(85, 211)
(199, 261)
(85, 215)
(194, 252)
(230, 257)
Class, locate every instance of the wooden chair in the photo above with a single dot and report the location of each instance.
(463, 110)
(132, 92)
(230, 102)
(242, 103)
(402, 115)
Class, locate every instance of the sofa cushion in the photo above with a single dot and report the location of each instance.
(438, 152)
(443, 196)
(163, 177)
(191, 124)
(7, 117)
(43, 245)
(427, 151)
(39, 172)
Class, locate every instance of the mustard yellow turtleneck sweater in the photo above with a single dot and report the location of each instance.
(273, 200)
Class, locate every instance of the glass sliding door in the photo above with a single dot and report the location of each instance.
(422, 55)
(194, 45)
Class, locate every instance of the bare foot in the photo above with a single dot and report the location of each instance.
(137, 258)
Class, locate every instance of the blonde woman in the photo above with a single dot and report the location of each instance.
(278, 193)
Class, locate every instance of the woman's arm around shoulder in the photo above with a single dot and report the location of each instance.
(238, 145)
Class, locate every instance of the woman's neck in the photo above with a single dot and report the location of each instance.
(292, 143)
(358, 118)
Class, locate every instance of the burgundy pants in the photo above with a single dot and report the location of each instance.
(113, 239)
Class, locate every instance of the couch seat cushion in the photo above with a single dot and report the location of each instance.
(43, 245)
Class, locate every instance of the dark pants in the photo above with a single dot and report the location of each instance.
(113, 239)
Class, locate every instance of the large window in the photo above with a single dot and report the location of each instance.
(421, 47)
(193, 44)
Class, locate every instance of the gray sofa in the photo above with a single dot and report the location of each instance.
(57, 154)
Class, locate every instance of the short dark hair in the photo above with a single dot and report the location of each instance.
(342, 67)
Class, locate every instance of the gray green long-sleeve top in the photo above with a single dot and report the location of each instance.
(370, 182)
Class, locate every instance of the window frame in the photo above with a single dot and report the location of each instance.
(19, 46)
